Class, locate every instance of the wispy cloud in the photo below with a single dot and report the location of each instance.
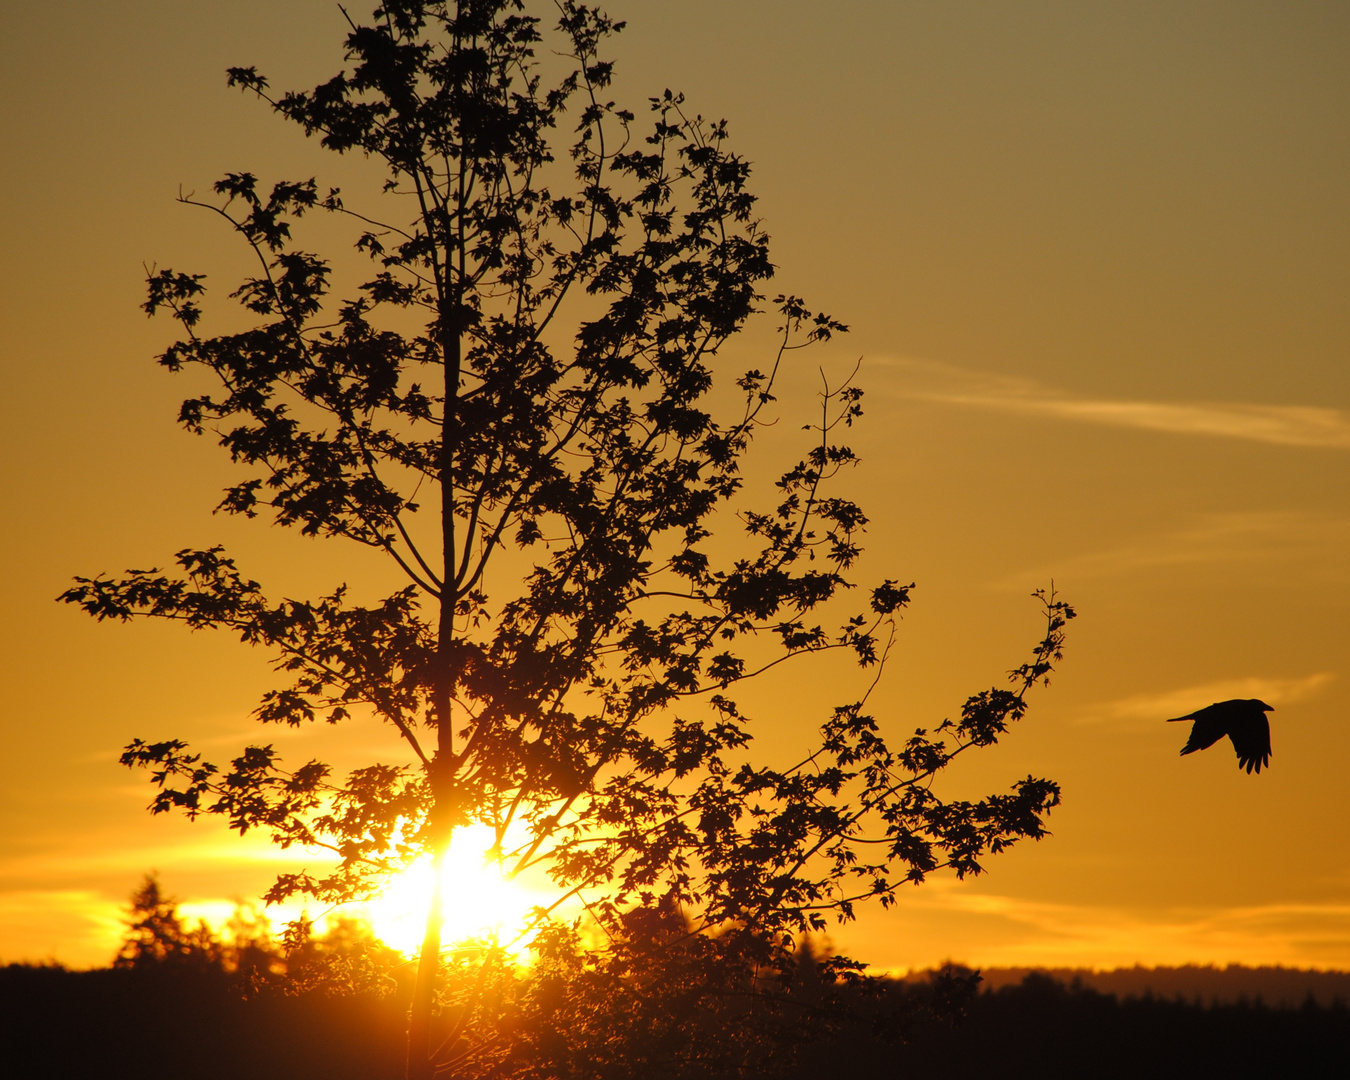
(1217, 539)
(1151, 707)
(1281, 425)
(69, 863)
(73, 926)
(947, 920)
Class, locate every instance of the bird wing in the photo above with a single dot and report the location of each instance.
(1208, 728)
(1250, 733)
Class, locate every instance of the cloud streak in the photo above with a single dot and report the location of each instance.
(1216, 539)
(1279, 425)
(1158, 706)
(948, 920)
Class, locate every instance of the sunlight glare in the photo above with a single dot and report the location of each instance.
(478, 901)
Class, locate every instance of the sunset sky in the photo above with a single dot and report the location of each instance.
(1096, 260)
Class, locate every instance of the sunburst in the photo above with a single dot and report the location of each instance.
(478, 900)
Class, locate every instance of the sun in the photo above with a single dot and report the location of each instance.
(478, 900)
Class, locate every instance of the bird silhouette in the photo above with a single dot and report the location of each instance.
(1243, 720)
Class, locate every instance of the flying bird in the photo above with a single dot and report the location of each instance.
(1243, 720)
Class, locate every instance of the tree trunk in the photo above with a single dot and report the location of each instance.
(419, 1065)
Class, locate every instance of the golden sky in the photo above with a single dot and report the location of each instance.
(1096, 258)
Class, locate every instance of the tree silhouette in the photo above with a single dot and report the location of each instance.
(346, 958)
(523, 385)
(156, 936)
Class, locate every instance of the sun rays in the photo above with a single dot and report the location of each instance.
(478, 900)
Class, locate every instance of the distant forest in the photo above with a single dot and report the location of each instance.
(1280, 987)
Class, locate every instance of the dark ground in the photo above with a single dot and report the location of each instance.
(126, 1023)
(119, 1023)
(1045, 1029)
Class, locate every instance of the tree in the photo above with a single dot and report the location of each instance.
(346, 957)
(156, 937)
(524, 381)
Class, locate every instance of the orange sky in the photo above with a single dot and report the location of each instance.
(1096, 259)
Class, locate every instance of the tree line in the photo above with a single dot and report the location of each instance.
(183, 1000)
